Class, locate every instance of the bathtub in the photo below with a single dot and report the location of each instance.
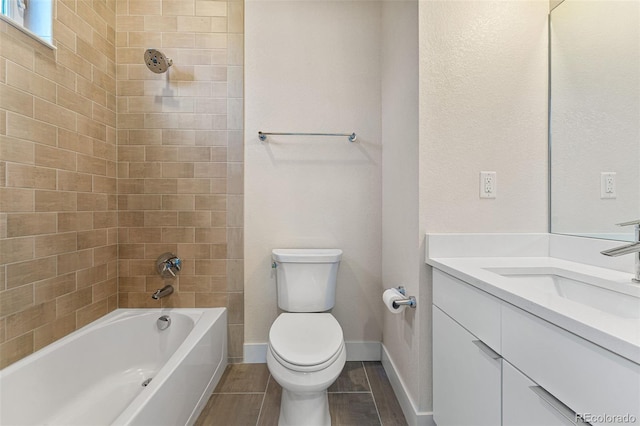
(99, 374)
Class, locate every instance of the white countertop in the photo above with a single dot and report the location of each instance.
(617, 334)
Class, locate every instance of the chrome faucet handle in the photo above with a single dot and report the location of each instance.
(167, 268)
(168, 264)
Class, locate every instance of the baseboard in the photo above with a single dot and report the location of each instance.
(411, 413)
(256, 353)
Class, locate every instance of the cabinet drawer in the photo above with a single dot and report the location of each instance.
(585, 377)
(466, 379)
(475, 310)
(521, 406)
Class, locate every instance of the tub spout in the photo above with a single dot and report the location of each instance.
(162, 292)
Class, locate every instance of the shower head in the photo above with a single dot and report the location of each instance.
(156, 61)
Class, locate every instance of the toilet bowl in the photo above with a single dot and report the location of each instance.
(306, 355)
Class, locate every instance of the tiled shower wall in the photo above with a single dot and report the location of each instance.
(180, 154)
(79, 191)
(58, 219)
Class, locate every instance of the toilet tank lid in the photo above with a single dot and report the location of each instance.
(307, 255)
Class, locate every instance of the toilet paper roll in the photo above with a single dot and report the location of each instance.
(389, 296)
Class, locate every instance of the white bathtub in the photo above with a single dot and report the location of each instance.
(94, 376)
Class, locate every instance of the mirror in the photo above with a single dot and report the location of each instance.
(594, 117)
(33, 17)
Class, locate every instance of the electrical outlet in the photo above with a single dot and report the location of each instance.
(608, 185)
(488, 184)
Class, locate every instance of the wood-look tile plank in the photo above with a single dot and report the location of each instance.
(351, 379)
(386, 401)
(231, 410)
(243, 378)
(353, 409)
(270, 412)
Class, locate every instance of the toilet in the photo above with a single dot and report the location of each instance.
(306, 347)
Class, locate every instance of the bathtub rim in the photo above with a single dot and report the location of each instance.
(116, 315)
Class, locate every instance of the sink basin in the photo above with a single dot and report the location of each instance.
(613, 298)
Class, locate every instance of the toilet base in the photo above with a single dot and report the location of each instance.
(304, 409)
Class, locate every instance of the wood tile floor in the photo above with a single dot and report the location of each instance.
(248, 395)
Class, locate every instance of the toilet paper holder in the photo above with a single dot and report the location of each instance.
(409, 301)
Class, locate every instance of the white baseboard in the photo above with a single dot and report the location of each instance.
(256, 353)
(411, 413)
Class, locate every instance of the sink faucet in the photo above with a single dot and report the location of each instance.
(162, 292)
(633, 248)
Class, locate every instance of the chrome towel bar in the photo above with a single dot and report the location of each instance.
(263, 135)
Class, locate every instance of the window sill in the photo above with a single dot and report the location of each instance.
(27, 31)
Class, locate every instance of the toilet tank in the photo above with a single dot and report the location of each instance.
(306, 278)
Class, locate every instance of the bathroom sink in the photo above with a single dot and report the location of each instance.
(621, 300)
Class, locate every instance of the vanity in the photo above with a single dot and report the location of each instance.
(533, 329)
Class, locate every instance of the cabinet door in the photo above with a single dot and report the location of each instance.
(466, 376)
(522, 406)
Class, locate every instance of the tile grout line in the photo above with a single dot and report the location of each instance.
(237, 393)
(373, 396)
(264, 396)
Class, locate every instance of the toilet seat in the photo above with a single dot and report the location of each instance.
(306, 342)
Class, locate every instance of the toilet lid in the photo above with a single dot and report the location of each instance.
(305, 339)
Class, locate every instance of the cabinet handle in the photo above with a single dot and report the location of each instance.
(558, 405)
(486, 349)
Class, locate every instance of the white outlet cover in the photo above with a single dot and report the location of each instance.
(608, 185)
(488, 184)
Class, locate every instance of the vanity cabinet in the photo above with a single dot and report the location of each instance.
(495, 364)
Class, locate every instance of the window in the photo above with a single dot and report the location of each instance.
(32, 16)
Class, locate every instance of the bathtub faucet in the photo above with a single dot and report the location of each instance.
(162, 292)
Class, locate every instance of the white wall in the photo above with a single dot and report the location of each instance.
(313, 66)
(483, 106)
(402, 254)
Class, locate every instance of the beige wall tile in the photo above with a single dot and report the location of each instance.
(90, 239)
(29, 319)
(178, 8)
(211, 8)
(55, 158)
(24, 176)
(27, 128)
(105, 289)
(48, 201)
(46, 245)
(54, 287)
(160, 218)
(16, 150)
(16, 249)
(70, 262)
(92, 312)
(92, 202)
(16, 100)
(16, 200)
(23, 273)
(19, 224)
(71, 302)
(15, 299)
(15, 349)
(75, 221)
(72, 181)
